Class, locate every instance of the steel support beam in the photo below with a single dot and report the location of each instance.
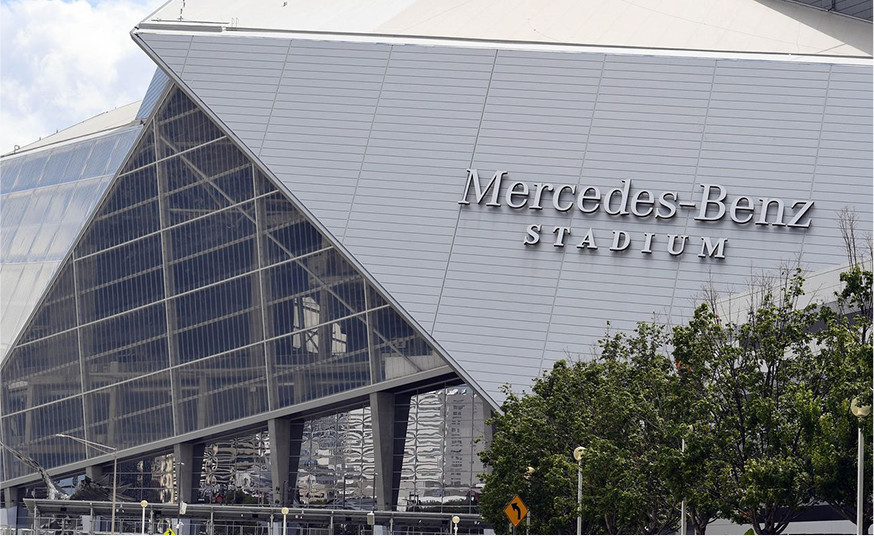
(285, 440)
(389, 414)
(187, 470)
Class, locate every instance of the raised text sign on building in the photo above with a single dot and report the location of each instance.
(714, 203)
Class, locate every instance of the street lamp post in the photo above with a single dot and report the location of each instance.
(455, 521)
(107, 449)
(860, 412)
(528, 473)
(578, 456)
(143, 504)
(683, 502)
(284, 514)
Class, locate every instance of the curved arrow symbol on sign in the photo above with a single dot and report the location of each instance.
(515, 506)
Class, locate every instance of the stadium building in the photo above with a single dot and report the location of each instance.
(300, 270)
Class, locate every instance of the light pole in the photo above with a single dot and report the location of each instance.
(284, 514)
(455, 521)
(578, 456)
(683, 502)
(143, 504)
(106, 448)
(528, 473)
(860, 412)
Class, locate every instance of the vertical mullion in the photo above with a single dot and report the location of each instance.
(272, 388)
(169, 315)
(79, 350)
(375, 367)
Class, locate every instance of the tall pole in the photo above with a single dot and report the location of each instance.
(860, 481)
(683, 503)
(580, 496)
(143, 504)
(578, 456)
(114, 487)
(860, 411)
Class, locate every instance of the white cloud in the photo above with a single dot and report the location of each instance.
(63, 62)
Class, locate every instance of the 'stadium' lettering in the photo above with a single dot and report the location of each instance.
(713, 205)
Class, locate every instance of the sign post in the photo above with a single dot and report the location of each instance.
(516, 511)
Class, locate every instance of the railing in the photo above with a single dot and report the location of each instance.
(93, 517)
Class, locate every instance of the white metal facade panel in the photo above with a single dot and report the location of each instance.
(321, 122)
(375, 140)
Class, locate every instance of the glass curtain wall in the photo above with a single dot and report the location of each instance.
(445, 432)
(46, 195)
(197, 295)
(236, 471)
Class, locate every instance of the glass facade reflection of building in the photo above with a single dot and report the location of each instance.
(198, 298)
(45, 198)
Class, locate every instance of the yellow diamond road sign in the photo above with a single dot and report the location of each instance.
(169, 531)
(516, 511)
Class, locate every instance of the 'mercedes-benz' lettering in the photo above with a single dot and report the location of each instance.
(713, 205)
(626, 201)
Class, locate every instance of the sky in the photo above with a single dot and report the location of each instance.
(62, 62)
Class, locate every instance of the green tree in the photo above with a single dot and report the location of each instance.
(618, 407)
(845, 358)
(759, 395)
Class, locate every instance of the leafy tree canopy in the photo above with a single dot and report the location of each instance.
(745, 419)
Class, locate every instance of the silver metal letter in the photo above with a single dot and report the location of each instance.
(766, 205)
(672, 249)
(584, 196)
(625, 241)
(664, 203)
(706, 202)
(512, 192)
(623, 209)
(473, 177)
(636, 200)
(588, 241)
(533, 235)
(559, 238)
(709, 250)
(538, 195)
(556, 197)
(647, 242)
(737, 207)
(800, 214)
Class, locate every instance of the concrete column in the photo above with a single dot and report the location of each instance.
(488, 429)
(11, 497)
(187, 470)
(389, 414)
(95, 473)
(285, 439)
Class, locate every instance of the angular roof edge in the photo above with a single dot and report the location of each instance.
(391, 39)
(102, 123)
(296, 202)
(734, 26)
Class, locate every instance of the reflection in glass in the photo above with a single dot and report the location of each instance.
(441, 463)
(336, 462)
(131, 414)
(151, 478)
(197, 296)
(236, 471)
(34, 433)
(223, 388)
